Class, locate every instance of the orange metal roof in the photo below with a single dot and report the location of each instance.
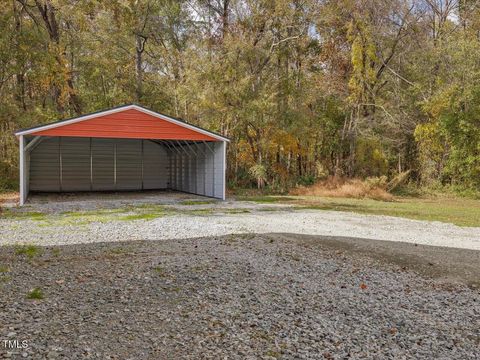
(131, 122)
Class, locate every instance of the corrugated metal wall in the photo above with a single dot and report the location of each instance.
(199, 168)
(103, 164)
(45, 166)
(94, 164)
(84, 164)
(75, 154)
(156, 170)
(129, 164)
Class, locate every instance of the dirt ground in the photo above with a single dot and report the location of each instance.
(449, 264)
(50, 202)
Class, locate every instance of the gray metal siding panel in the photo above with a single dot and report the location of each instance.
(171, 159)
(155, 166)
(219, 169)
(182, 172)
(200, 178)
(193, 174)
(175, 172)
(75, 164)
(103, 164)
(203, 177)
(189, 174)
(209, 172)
(129, 164)
(172, 170)
(45, 166)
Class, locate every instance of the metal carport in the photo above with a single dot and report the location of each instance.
(124, 148)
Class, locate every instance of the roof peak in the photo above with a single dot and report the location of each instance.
(117, 109)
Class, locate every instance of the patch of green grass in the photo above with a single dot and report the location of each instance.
(129, 213)
(237, 211)
(197, 202)
(4, 270)
(56, 252)
(146, 207)
(144, 212)
(86, 217)
(458, 211)
(266, 199)
(23, 215)
(97, 212)
(198, 212)
(35, 294)
(28, 250)
(5, 278)
(145, 216)
(273, 353)
(270, 209)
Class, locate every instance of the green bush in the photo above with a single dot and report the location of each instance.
(370, 158)
(8, 177)
(306, 180)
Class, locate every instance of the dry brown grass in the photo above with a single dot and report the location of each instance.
(10, 197)
(346, 188)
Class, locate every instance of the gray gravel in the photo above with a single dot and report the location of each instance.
(184, 222)
(52, 203)
(180, 215)
(235, 297)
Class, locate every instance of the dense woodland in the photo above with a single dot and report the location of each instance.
(305, 89)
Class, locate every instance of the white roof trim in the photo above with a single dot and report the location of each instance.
(119, 109)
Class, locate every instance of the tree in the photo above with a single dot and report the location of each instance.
(305, 89)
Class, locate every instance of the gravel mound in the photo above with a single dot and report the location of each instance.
(235, 297)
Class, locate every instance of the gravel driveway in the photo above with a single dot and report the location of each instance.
(156, 222)
(236, 297)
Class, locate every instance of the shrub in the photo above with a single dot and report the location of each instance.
(306, 180)
(259, 173)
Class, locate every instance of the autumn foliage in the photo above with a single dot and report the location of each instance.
(306, 90)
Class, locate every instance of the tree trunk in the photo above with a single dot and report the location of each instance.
(19, 77)
(225, 20)
(139, 48)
